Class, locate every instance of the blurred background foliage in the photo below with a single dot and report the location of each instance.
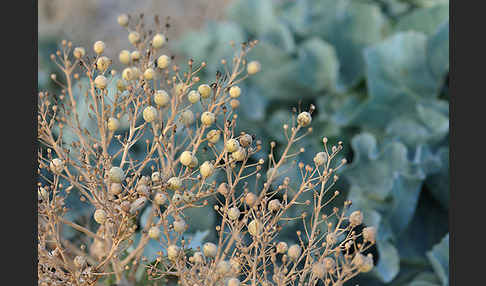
(377, 72)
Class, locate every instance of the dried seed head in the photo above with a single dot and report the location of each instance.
(186, 158)
(179, 226)
(234, 213)
(103, 63)
(250, 199)
(79, 52)
(137, 204)
(163, 61)
(149, 114)
(356, 218)
(246, 140)
(193, 96)
(255, 227)
(204, 90)
(223, 267)
(187, 117)
(294, 252)
(80, 261)
(235, 103)
(208, 118)
(135, 56)
(210, 249)
(253, 67)
(160, 198)
(113, 124)
(158, 41)
(320, 158)
(369, 233)
(206, 169)
(100, 216)
(319, 270)
(274, 205)
(304, 118)
(122, 20)
(331, 238)
(282, 247)
(99, 47)
(56, 165)
(174, 183)
(127, 74)
(213, 136)
(115, 188)
(124, 57)
(155, 177)
(367, 264)
(329, 263)
(100, 82)
(233, 282)
(176, 198)
(235, 92)
(197, 257)
(134, 37)
(232, 145)
(154, 232)
(173, 252)
(116, 175)
(161, 98)
(239, 155)
(149, 74)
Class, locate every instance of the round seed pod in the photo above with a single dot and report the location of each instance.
(319, 270)
(282, 247)
(103, 63)
(198, 257)
(223, 267)
(358, 260)
(235, 103)
(149, 74)
(356, 218)
(99, 47)
(79, 52)
(246, 140)
(232, 145)
(179, 89)
(127, 74)
(193, 96)
(100, 216)
(116, 175)
(80, 261)
(122, 20)
(206, 169)
(160, 198)
(173, 252)
(136, 73)
(250, 199)
(294, 252)
(100, 82)
(161, 98)
(158, 41)
(274, 205)
(320, 158)
(179, 225)
(331, 238)
(154, 232)
(56, 165)
(115, 188)
(234, 91)
(194, 162)
(253, 67)
(113, 124)
(369, 233)
(186, 158)
(329, 263)
(134, 37)
(143, 189)
(120, 85)
(239, 155)
(174, 183)
(367, 264)
(155, 177)
(213, 136)
(135, 56)
(188, 197)
(223, 189)
(233, 282)
(210, 249)
(208, 118)
(124, 57)
(149, 113)
(233, 213)
(304, 118)
(187, 117)
(163, 61)
(204, 90)
(255, 227)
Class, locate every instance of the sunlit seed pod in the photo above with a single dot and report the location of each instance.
(223, 189)
(369, 233)
(213, 136)
(233, 282)
(253, 67)
(122, 20)
(173, 252)
(158, 41)
(79, 52)
(124, 57)
(120, 85)
(223, 267)
(204, 90)
(356, 218)
(246, 140)
(138, 204)
(210, 249)
(331, 239)
(179, 226)
(193, 96)
(134, 37)
(282, 247)
(234, 92)
(320, 158)
(161, 98)
(179, 89)
(43, 193)
(255, 227)
(160, 198)
(294, 252)
(304, 118)
(116, 175)
(319, 270)
(127, 74)
(239, 155)
(135, 56)
(103, 63)
(163, 61)
(198, 257)
(186, 158)
(274, 205)
(100, 82)
(208, 118)
(80, 261)
(155, 177)
(149, 74)
(115, 188)
(250, 199)
(358, 260)
(235, 103)
(136, 73)
(113, 124)
(154, 232)
(99, 47)
(100, 216)
(367, 264)
(232, 145)
(187, 117)
(174, 183)
(56, 165)
(234, 213)
(149, 113)
(206, 169)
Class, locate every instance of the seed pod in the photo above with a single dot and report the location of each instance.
(133, 37)
(174, 183)
(80, 261)
(304, 118)
(210, 249)
(194, 162)
(331, 238)
(206, 169)
(319, 270)
(235, 91)
(120, 85)
(161, 98)
(135, 56)
(160, 198)
(367, 263)
(143, 189)
(154, 232)
(103, 63)
(239, 155)
(233, 282)
(282, 247)
(232, 145)
(99, 47)
(179, 226)
(329, 263)
(250, 199)
(369, 233)
(158, 41)
(56, 165)
(356, 218)
(223, 189)
(116, 175)
(197, 257)
(208, 118)
(186, 158)
(253, 67)
(213, 136)
(274, 205)
(149, 113)
(163, 61)
(137, 204)
(320, 158)
(234, 213)
(246, 140)
(179, 89)
(204, 90)
(193, 96)
(113, 124)
(173, 252)
(235, 103)
(100, 82)
(294, 252)
(149, 74)
(187, 117)
(255, 227)
(122, 20)
(127, 74)
(155, 177)
(79, 52)
(100, 216)
(223, 267)
(115, 188)
(188, 197)
(124, 57)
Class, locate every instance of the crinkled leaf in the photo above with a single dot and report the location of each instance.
(425, 20)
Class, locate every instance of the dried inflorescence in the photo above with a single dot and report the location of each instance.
(159, 103)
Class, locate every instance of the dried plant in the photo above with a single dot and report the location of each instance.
(156, 98)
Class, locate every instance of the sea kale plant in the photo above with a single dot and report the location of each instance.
(376, 70)
(101, 204)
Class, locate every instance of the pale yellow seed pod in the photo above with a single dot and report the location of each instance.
(179, 89)
(187, 117)
(369, 233)
(56, 165)
(135, 56)
(134, 37)
(304, 118)
(149, 113)
(116, 175)
(320, 158)
(176, 198)
(174, 183)
(239, 155)
(282, 247)
(186, 158)
(210, 249)
(208, 118)
(193, 96)
(149, 74)
(124, 57)
(213, 136)
(206, 169)
(160, 198)
(100, 216)
(113, 124)
(253, 67)
(232, 145)
(255, 227)
(163, 61)
(138, 204)
(127, 74)
(115, 188)
(204, 90)
(173, 252)
(246, 140)
(233, 213)
(319, 270)
(80, 261)
(100, 82)
(234, 91)
(179, 226)
(155, 177)
(294, 252)
(223, 267)
(356, 218)
(79, 52)
(154, 232)
(136, 72)
(99, 47)
(367, 264)
(235, 103)
(331, 239)
(103, 63)
(158, 41)
(274, 205)
(198, 257)
(250, 199)
(161, 98)
(122, 20)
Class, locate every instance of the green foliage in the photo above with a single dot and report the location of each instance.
(376, 71)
